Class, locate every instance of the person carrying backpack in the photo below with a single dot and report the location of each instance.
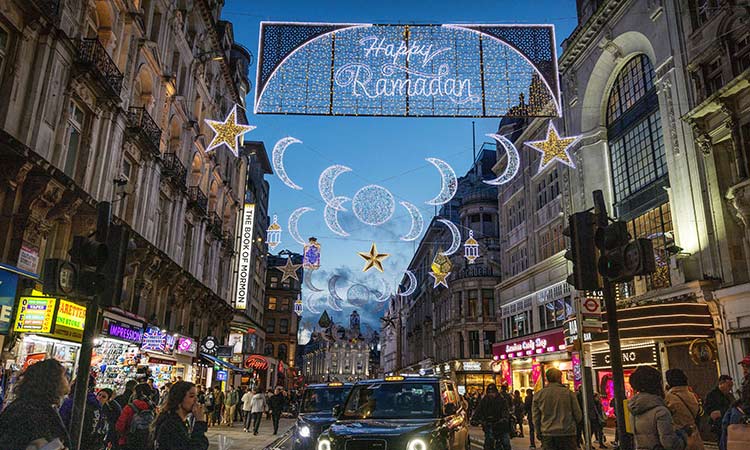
(133, 426)
(94, 429)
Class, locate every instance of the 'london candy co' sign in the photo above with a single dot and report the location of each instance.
(407, 70)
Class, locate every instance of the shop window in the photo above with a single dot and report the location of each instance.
(282, 353)
(272, 303)
(284, 326)
(554, 313)
(488, 303)
(73, 138)
(473, 297)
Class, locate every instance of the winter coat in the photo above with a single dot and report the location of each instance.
(518, 408)
(276, 403)
(173, 433)
(652, 424)
(551, 411)
(124, 398)
(26, 420)
(94, 428)
(246, 400)
(527, 404)
(257, 403)
(493, 411)
(718, 401)
(123, 423)
(111, 412)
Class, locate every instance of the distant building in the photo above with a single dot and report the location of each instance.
(338, 354)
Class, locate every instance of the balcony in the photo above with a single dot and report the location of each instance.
(480, 196)
(48, 8)
(197, 199)
(214, 224)
(144, 128)
(94, 60)
(174, 170)
(475, 271)
(227, 242)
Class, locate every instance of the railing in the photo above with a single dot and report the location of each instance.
(197, 198)
(214, 223)
(173, 168)
(49, 8)
(475, 271)
(140, 121)
(484, 195)
(93, 56)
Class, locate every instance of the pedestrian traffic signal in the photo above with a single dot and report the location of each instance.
(582, 252)
(620, 258)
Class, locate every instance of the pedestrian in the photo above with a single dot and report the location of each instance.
(718, 401)
(230, 404)
(685, 408)
(247, 398)
(518, 411)
(276, 405)
(598, 420)
(210, 404)
(218, 406)
(155, 392)
(257, 406)
(124, 398)
(745, 386)
(556, 414)
(31, 421)
(171, 430)
(136, 417)
(735, 424)
(651, 419)
(93, 430)
(268, 397)
(111, 411)
(527, 403)
(493, 413)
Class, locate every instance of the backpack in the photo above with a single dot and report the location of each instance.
(210, 400)
(139, 431)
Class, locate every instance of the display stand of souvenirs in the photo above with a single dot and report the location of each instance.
(114, 363)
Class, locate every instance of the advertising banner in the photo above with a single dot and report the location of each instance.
(244, 272)
(8, 287)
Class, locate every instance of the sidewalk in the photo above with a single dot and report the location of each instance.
(241, 440)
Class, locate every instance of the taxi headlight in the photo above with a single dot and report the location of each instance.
(324, 444)
(414, 444)
(304, 431)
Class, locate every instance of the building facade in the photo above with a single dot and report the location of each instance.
(106, 101)
(337, 353)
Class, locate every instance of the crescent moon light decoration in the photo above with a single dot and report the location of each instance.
(278, 160)
(331, 215)
(514, 161)
(308, 281)
(325, 185)
(384, 294)
(310, 305)
(456, 243)
(417, 222)
(448, 183)
(333, 297)
(293, 222)
(412, 284)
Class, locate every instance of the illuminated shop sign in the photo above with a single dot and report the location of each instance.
(472, 366)
(156, 340)
(8, 286)
(407, 70)
(243, 259)
(51, 317)
(630, 357)
(187, 346)
(551, 341)
(256, 362)
(123, 330)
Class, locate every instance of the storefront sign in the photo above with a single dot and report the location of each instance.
(69, 321)
(187, 346)
(245, 252)
(235, 341)
(209, 345)
(28, 259)
(155, 340)
(8, 287)
(162, 361)
(117, 329)
(35, 315)
(551, 341)
(221, 375)
(630, 357)
(224, 351)
(472, 366)
(256, 362)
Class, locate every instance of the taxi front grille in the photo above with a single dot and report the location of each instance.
(366, 444)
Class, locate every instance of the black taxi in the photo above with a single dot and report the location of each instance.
(400, 413)
(316, 412)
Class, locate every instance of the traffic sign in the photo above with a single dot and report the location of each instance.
(591, 306)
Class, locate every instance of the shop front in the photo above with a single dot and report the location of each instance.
(117, 352)
(185, 352)
(471, 376)
(522, 361)
(158, 361)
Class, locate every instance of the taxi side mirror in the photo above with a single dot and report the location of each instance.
(337, 411)
(451, 409)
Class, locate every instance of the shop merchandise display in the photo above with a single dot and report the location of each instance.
(114, 363)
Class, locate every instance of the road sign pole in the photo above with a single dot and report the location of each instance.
(584, 377)
(613, 332)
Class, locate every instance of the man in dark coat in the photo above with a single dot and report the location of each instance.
(493, 413)
(718, 402)
(124, 398)
(276, 405)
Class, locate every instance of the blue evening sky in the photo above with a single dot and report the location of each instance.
(389, 152)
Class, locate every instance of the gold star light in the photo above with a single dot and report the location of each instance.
(228, 132)
(441, 269)
(289, 269)
(554, 147)
(374, 259)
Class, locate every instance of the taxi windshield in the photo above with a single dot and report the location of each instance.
(323, 399)
(388, 400)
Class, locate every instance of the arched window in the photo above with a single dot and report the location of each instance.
(635, 140)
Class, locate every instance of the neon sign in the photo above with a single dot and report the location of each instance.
(407, 70)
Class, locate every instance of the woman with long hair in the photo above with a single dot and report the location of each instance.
(684, 406)
(32, 420)
(652, 421)
(171, 430)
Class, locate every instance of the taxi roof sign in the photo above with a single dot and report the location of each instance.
(395, 378)
(335, 384)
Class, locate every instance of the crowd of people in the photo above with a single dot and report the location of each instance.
(142, 417)
(664, 417)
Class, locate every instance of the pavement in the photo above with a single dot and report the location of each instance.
(239, 440)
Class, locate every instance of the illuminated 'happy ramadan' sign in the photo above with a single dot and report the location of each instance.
(407, 70)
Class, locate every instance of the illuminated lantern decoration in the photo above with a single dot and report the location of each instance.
(471, 248)
(298, 306)
(273, 233)
(311, 255)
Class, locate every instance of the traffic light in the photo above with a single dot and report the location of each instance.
(109, 274)
(621, 258)
(582, 252)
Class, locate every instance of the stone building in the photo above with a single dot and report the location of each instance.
(106, 101)
(337, 353)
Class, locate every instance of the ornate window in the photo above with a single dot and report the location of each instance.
(637, 156)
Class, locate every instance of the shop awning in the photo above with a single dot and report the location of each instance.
(221, 362)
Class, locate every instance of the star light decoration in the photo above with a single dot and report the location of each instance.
(273, 233)
(554, 147)
(441, 269)
(289, 269)
(228, 132)
(471, 248)
(373, 258)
